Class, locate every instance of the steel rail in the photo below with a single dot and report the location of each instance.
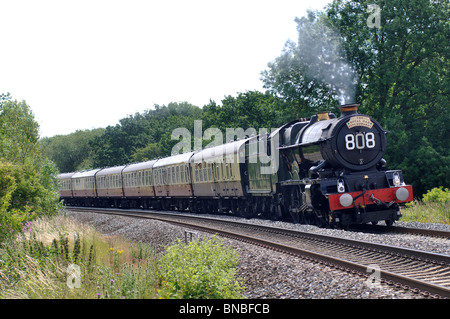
(393, 278)
(401, 230)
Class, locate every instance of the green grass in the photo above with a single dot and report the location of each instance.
(427, 212)
(39, 263)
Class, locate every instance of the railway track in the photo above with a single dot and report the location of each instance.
(378, 229)
(421, 272)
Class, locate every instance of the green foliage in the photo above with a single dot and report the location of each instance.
(36, 263)
(437, 195)
(72, 152)
(28, 180)
(143, 136)
(7, 186)
(198, 270)
(251, 109)
(429, 212)
(32, 267)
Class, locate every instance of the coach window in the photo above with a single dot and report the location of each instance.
(182, 176)
(158, 181)
(188, 176)
(209, 172)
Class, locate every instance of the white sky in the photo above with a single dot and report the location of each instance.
(87, 64)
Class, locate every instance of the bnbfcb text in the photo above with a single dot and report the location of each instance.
(259, 308)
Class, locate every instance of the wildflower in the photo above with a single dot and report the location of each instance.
(111, 248)
(112, 281)
(119, 251)
(98, 295)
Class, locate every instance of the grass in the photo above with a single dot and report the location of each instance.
(427, 212)
(60, 258)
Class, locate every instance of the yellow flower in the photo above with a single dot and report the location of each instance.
(119, 251)
(111, 248)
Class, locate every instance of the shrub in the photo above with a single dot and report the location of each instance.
(437, 194)
(198, 270)
(434, 207)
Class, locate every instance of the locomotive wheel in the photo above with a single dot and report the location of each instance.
(245, 210)
(275, 212)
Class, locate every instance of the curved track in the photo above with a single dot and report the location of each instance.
(419, 271)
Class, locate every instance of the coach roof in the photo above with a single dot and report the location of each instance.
(173, 160)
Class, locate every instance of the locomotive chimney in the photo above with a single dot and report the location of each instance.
(348, 109)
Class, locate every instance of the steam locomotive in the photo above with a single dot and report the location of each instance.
(327, 171)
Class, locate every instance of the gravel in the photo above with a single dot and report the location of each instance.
(269, 274)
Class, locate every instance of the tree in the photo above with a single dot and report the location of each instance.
(403, 79)
(131, 138)
(28, 180)
(72, 152)
(399, 71)
(251, 109)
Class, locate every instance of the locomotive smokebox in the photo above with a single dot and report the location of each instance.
(349, 109)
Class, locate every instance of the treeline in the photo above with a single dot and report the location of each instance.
(148, 135)
(397, 71)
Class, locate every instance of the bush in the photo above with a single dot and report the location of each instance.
(198, 270)
(438, 195)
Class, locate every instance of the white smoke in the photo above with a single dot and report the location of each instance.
(323, 58)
